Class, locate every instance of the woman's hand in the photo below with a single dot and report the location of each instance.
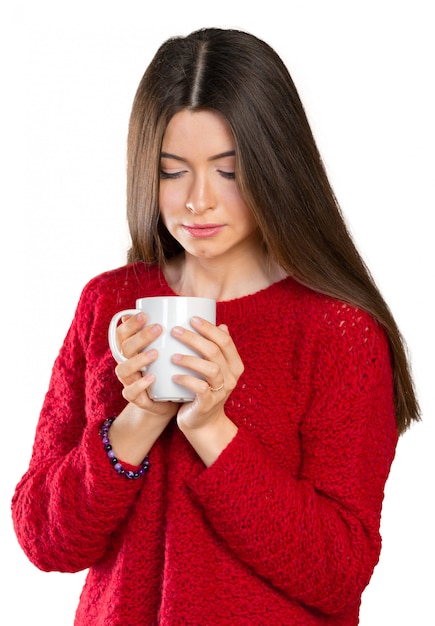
(133, 337)
(141, 423)
(203, 421)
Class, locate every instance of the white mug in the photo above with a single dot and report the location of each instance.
(168, 311)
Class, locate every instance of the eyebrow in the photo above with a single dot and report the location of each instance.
(215, 157)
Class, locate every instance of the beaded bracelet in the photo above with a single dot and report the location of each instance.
(117, 466)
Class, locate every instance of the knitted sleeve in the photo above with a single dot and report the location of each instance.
(70, 500)
(315, 536)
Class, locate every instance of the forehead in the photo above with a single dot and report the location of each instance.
(206, 131)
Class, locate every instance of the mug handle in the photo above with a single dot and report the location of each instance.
(116, 352)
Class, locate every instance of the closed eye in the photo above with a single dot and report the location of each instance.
(228, 175)
(167, 175)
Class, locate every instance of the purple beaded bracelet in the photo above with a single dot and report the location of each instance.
(117, 466)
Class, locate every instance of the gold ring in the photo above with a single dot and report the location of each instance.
(216, 388)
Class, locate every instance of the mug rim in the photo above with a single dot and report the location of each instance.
(175, 298)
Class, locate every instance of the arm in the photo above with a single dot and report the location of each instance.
(71, 501)
(315, 536)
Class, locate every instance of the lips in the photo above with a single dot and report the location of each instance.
(203, 231)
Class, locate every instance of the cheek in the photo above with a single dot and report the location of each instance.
(169, 202)
(234, 198)
(242, 210)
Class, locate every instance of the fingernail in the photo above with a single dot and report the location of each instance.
(197, 320)
(155, 329)
(176, 358)
(177, 330)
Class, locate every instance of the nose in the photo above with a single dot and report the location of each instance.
(200, 197)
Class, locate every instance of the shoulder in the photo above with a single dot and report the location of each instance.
(114, 290)
(351, 354)
(339, 335)
(329, 316)
(342, 324)
(323, 316)
(120, 287)
(126, 277)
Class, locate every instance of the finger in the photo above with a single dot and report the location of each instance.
(217, 334)
(209, 370)
(198, 386)
(216, 379)
(130, 370)
(198, 342)
(219, 348)
(137, 393)
(138, 338)
(210, 361)
(130, 325)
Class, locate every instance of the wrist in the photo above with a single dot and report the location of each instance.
(134, 432)
(129, 473)
(211, 438)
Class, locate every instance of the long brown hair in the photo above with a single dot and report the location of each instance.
(279, 171)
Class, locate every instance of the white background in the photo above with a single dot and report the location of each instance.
(69, 72)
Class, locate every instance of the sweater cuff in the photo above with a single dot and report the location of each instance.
(237, 463)
(99, 468)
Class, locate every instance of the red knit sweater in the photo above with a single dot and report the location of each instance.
(282, 530)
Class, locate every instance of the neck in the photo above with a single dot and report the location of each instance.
(212, 278)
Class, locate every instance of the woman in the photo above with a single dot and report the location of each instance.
(258, 503)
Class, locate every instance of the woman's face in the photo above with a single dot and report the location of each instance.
(199, 199)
